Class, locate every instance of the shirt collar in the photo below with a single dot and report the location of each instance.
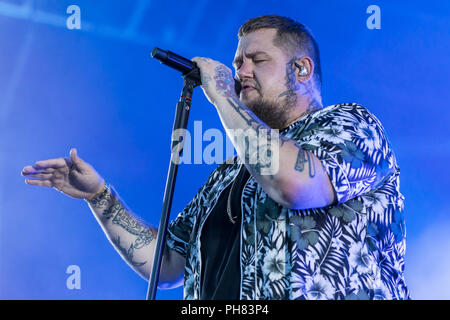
(297, 122)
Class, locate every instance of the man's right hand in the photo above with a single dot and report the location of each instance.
(133, 239)
(71, 176)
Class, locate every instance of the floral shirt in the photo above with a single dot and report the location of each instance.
(353, 249)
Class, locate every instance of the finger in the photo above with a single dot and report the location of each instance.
(75, 158)
(196, 59)
(51, 163)
(32, 170)
(28, 169)
(45, 176)
(42, 183)
(201, 61)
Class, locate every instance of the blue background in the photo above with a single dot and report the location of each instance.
(97, 89)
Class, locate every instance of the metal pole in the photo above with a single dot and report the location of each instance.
(180, 122)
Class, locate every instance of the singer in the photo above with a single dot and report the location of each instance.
(319, 216)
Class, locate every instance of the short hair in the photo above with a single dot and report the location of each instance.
(291, 36)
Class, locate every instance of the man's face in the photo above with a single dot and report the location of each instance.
(265, 73)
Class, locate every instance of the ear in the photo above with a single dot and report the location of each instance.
(304, 68)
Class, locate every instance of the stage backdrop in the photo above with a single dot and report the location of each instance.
(79, 74)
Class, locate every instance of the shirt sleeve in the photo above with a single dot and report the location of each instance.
(351, 145)
(179, 230)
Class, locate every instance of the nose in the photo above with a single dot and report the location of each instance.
(245, 70)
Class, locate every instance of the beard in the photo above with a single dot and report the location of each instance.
(273, 113)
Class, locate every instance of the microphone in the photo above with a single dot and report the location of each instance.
(184, 65)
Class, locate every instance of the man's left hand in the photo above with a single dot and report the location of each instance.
(217, 79)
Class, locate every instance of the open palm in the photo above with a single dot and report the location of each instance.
(72, 176)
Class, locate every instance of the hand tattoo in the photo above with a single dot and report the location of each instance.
(224, 81)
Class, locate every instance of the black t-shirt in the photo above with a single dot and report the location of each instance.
(220, 246)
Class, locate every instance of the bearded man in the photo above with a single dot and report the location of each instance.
(317, 215)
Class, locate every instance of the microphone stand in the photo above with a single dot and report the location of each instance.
(191, 80)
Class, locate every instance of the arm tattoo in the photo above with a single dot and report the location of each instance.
(128, 253)
(107, 202)
(247, 116)
(112, 210)
(102, 199)
(257, 145)
(303, 157)
(135, 227)
(112, 207)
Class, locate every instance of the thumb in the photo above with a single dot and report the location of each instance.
(74, 157)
